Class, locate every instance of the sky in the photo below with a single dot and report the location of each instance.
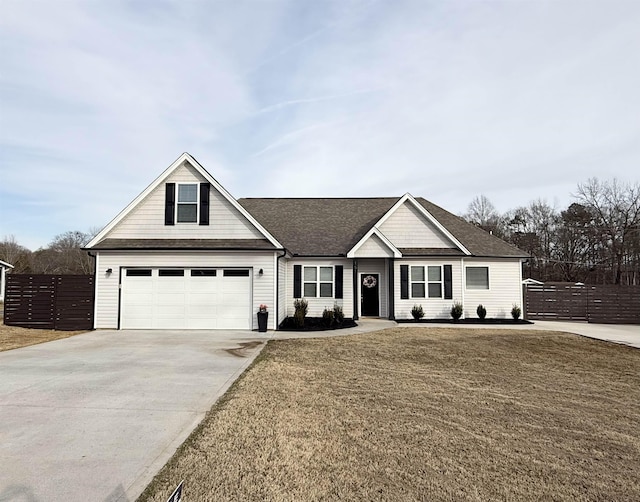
(447, 100)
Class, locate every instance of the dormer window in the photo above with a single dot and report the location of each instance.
(187, 203)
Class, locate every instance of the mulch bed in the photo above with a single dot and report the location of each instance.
(465, 321)
(315, 324)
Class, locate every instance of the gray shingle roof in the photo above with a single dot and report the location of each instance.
(331, 227)
(318, 227)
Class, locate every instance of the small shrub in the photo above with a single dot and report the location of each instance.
(456, 311)
(328, 317)
(338, 314)
(417, 312)
(481, 311)
(515, 312)
(301, 307)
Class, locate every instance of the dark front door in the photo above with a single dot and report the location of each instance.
(369, 288)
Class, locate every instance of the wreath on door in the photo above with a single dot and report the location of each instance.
(369, 281)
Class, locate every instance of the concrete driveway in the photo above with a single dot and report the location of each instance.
(94, 417)
(626, 334)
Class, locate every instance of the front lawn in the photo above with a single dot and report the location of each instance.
(422, 414)
(14, 337)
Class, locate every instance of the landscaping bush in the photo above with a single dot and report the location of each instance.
(328, 317)
(456, 311)
(515, 312)
(301, 308)
(481, 311)
(338, 314)
(417, 312)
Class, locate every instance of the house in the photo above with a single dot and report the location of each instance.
(186, 255)
(4, 268)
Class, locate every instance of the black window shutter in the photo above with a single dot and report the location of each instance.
(448, 283)
(297, 281)
(204, 203)
(169, 203)
(404, 282)
(339, 274)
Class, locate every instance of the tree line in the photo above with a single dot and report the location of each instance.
(595, 240)
(63, 255)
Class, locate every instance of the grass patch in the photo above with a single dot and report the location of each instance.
(421, 414)
(14, 337)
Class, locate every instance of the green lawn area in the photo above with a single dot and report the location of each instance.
(422, 414)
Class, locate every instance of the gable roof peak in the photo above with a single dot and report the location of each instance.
(185, 156)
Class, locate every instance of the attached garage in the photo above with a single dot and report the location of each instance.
(186, 298)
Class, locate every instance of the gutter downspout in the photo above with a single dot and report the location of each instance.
(355, 290)
(463, 285)
(391, 290)
(277, 281)
(95, 286)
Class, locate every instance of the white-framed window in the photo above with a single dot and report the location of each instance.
(187, 203)
(317, 282)
(426, 282)
(477, 277)
(434, 281)
(418, 283)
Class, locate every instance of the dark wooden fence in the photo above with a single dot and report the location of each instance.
(561, 301)
(63, 302)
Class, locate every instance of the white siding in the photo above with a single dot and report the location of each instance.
(375, 267)
(505, 288)
(434, 308)
(146, 220)
(107, 297)
(317, 305)
(407, 228)
(373, 247)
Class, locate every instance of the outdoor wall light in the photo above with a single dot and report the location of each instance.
(109, 271)
(260, 272)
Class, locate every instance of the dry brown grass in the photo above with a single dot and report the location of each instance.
(422, 414)
(14, 337)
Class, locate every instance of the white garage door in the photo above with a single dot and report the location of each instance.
(186, 298)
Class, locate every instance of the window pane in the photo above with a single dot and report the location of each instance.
(417, 273)
(326, 273)
(326, 289)
(310, 273)
(477, 277)
(187, 193)
(417, 290)
(435, 290)
(170, 272)
(434, 274)
(187, 213)
(139, 272)
(309, 290)
(235, 273)
(206, 272)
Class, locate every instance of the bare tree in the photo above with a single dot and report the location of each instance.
(64, 255)
(616, 208)
(13, 253)
(482, 213)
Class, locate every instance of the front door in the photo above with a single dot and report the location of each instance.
(370, 298)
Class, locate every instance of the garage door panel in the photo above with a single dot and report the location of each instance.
(170, 298)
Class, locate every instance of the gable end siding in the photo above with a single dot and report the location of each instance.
(407, 228)
(146, 220)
